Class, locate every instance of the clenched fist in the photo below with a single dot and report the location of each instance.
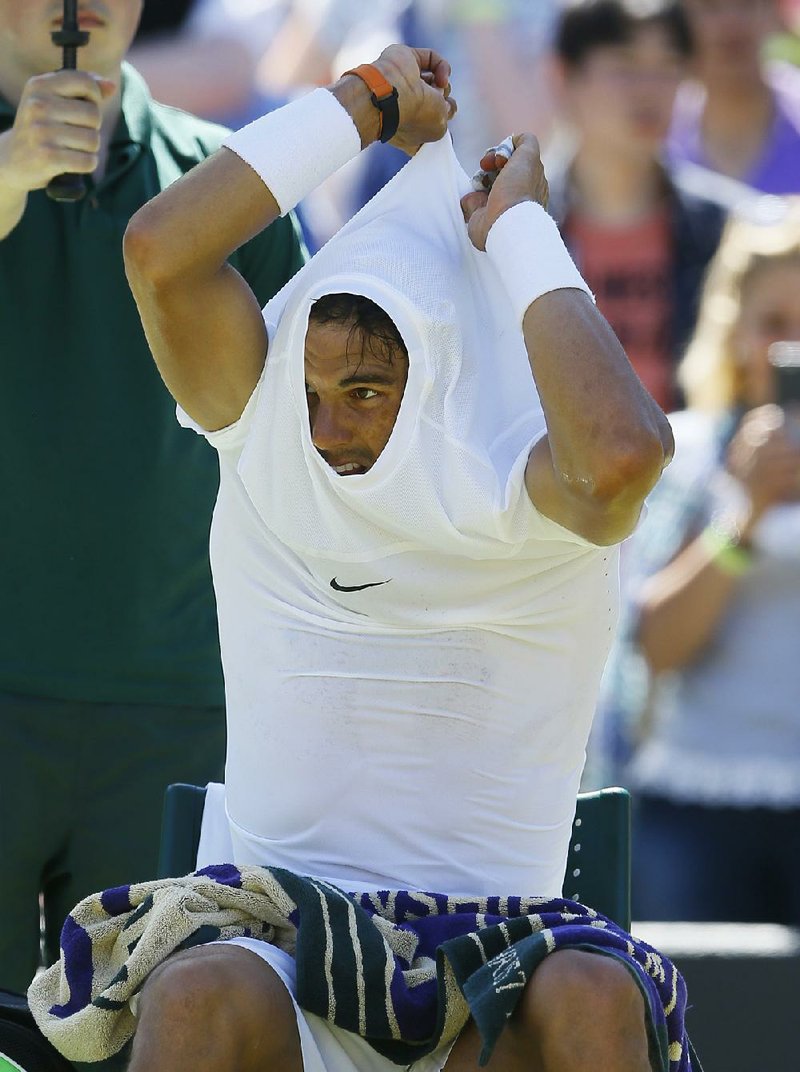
(56, 130)
(422, 80)
(514, 179)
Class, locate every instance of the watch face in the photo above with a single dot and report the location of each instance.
(390, 112)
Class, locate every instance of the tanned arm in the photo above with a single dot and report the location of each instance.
(607, 441)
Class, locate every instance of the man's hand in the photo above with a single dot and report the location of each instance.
(422, 80)
(56, 130)
(765, 460)
(517, 178)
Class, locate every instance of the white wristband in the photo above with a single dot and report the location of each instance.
(295, 148)
(529, 254)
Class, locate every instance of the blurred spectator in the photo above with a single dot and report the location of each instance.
(641, 241)
(321, 38)
(717, 616)
(210, 72)
(232, 60)
(500, 52)
(741, 118)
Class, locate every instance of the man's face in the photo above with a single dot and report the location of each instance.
(621, 96)
(25, 27)
(729, 34)
(353, 397)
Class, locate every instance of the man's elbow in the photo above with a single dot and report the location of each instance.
(630, 464)
(139, 249)
(620, 482)
(145, 250)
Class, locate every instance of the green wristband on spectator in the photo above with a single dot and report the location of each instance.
(727, 553)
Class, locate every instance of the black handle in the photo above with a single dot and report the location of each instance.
(67, 188)
(69, 38)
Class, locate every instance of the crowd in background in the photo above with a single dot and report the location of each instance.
(659, 121)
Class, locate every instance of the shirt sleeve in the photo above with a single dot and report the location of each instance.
(518, 519)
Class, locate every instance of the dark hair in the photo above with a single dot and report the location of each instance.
(374, 328)
(585, 25)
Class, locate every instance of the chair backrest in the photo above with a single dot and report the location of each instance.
(181, 819)
(598, 869)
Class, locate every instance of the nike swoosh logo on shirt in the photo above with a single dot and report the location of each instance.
(355, 587)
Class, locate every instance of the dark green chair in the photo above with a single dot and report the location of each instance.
(598, 871)
(598, 864)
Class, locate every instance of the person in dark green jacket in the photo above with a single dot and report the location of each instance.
(110, 676)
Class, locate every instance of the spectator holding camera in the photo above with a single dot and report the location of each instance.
(717, 609)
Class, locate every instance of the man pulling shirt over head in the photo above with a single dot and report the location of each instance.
(429, 445)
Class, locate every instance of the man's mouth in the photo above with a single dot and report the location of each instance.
(348, 469)
(87, 20)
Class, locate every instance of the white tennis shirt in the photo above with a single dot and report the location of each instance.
(411, 655)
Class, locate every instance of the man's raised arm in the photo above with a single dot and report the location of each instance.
(202, 321)
(607, 440)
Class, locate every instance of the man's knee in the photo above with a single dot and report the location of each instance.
(225, 993)
(571, 982)
(183, 987)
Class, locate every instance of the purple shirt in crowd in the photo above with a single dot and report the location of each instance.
(777, 168)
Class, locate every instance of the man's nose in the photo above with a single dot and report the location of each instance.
(329, 428)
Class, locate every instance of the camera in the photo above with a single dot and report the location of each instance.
(785, 360)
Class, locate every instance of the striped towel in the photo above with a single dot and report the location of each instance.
(404, 970)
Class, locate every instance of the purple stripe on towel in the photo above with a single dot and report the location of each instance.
(76, 948)
(116, 900)
(224, 874)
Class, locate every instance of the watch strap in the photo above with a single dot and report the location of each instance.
(384, 96)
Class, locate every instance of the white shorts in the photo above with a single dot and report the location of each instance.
(326, 1047)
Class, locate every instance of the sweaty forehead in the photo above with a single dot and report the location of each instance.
(338, 350)
(331, 335)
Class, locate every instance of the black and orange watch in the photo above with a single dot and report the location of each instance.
(383, 96)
